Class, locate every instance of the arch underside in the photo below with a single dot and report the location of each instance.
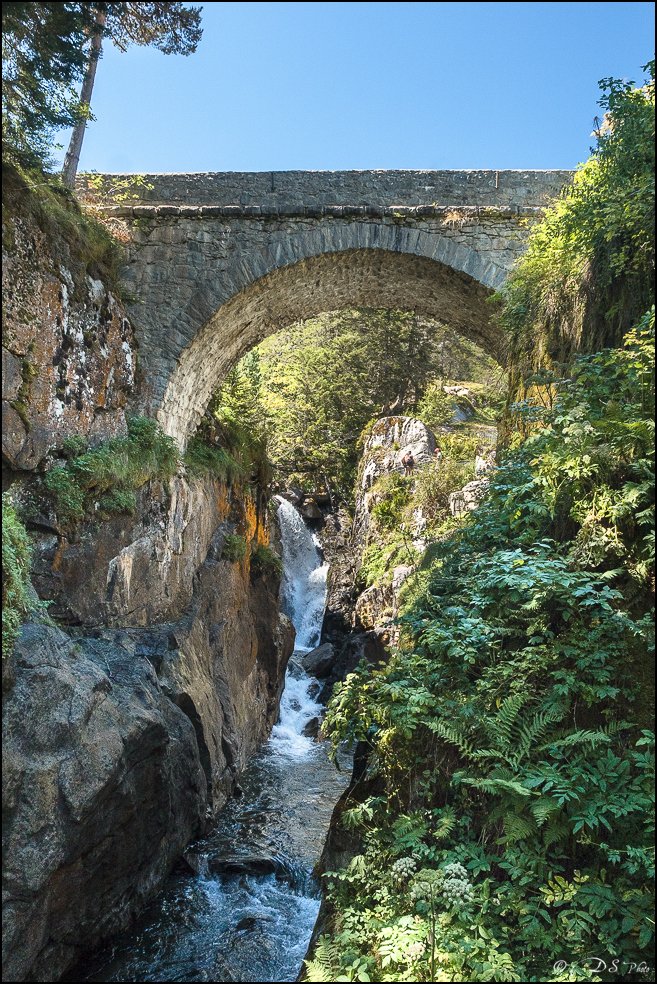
(352, 278)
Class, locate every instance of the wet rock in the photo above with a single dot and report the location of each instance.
(311, 511)
(340, 593)
(311, 729)
(319, 662)
(247, 956)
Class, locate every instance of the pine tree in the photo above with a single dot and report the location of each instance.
(170, 27)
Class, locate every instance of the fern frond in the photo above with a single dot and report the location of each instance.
(504, 720)
(535, 729)
(543, 807)
(454, 737)
(517, 828)
(556, 833)
(325, 964)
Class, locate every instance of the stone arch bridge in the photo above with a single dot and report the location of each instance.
(219, 261)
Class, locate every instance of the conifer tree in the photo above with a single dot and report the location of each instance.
(170, 27)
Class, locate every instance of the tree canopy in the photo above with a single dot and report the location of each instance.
(589, 269)
(314, 387)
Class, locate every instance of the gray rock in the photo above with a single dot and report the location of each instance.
(319, 662)
(102, 790)
(399, 575)
(405, 432)
(310, 510)
(469, 497)
(14, 435)
(12, 375)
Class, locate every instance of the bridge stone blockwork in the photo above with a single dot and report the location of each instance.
(219, 261)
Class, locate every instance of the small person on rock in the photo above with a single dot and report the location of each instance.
(408, 461)
(437, 456)
(387, 464)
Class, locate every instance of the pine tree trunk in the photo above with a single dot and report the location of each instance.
(72, 158)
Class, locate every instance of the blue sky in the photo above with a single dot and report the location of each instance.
(278, 86)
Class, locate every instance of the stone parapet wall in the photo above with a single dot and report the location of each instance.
(372, 187)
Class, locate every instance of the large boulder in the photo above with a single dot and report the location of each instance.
(102, 791)
(393, 437)
(311, 511)
(319, 662)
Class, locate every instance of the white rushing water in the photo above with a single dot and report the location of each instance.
(303, 591)
(304, 576)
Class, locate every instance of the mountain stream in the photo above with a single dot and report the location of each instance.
(249, 913)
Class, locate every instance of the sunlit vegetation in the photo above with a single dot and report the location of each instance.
(96, 482)
(315, 387)
(506, 816)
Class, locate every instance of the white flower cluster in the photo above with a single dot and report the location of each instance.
(456, 889)
(415, 951)
(402, 870)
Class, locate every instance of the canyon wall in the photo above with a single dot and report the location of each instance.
(133, 701)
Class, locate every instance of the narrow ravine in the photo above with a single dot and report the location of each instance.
(249, 912)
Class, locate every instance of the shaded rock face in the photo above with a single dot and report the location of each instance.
(102, 790)
(67, 350)
(127, 738)
(319, 662)
(136, 570)
(340, 592)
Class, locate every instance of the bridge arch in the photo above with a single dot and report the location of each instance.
(327, 267)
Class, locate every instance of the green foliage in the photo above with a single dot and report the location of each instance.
(315, 388)
(588, 272)
(109, 473)
(42, 58)
(510, 732)
(264, 561)
(434, 485)
(82, 242)
(240, 431)
(45, 50)
(201, 458)
(16, 556)
(436, 406)
(234, 548)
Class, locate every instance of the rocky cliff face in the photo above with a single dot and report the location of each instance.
(68, 352)
(124, 734)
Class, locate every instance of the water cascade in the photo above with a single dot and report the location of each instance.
(249, 912)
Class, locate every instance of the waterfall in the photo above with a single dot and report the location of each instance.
(304, 577)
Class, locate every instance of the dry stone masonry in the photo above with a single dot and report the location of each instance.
(219, 261)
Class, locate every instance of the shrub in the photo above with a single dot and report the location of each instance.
(117, 468)
(202, 458)
(436, 406)
(434, 485)
(234, 548)
(510, 732)
(264, 561)
(16, 556)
